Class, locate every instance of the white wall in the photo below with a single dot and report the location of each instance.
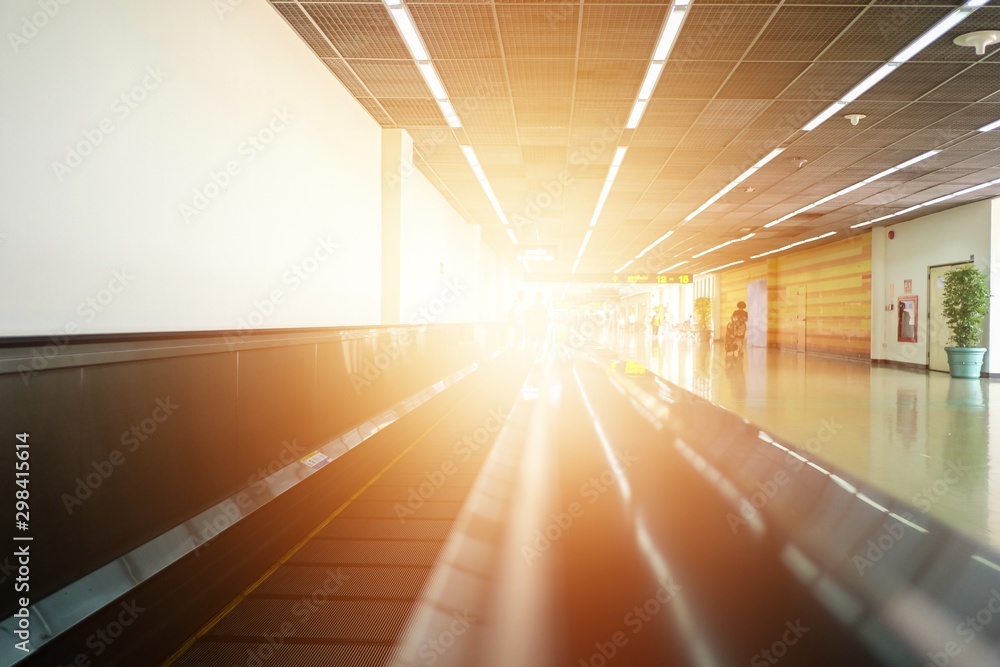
(947, 237)
(171, 93)
(444, 275)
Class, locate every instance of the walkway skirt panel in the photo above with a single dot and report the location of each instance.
(965, 362)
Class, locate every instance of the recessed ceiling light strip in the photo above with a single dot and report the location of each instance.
(624, 266)
(655, 243)
(665, 43)
(792, 245)
(852, 188)
(672, 267)
(719, 268)
(936, 200)
(477, 169)
(411, 36)
(723, 245)
(913, 48)
(739, 179)
(990, 127)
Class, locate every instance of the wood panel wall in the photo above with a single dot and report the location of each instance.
(836, 279)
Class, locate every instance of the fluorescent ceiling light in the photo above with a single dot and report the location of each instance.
(739, 179)
(913, 48)
(409, 32)
(719, 268)
(510, 233)
(938, 29)
(637, 110)
(575, 265)
(470, 156)
(649, 83)
(723, 245)
(867, 82)
(612, 172)
(823, 116)
(449, 113)
(936, 200)
(852, 188)
(654, 244)
(672, 266)
(619, 156)
(624, 266)
(671, 29)
(586, 240)
(792, 245)
(433, 81)
(989, 128)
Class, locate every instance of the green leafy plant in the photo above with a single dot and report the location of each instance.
(966, 302)
(703, 312)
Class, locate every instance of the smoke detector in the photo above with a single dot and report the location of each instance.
(979, 39)
(749, 188)
(799, 161)
(855, 118)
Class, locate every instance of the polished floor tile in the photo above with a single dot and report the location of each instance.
(921, 436)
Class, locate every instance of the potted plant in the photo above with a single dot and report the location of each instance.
(966, 301)
(703, 316)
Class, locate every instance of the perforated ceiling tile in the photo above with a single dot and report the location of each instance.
(762, 81)
(944, 49)
(691, 79)
(302, 25)
(457, 30)
(730, 113)
(615, 78)
(594, 115)
(473, 78)
(346, 76)
(620, 31)
(359, 30)
(913, 80)
(919, 115)
(801, 33)
(545, 112)
(787, 115)
(827, 80)
(979, 82)
(390, 78)
(712, 139)
(883, 32)
(485, 113)
(719, 33)
(522, 38)
(413, 111)
(547, 77)
(377, 112)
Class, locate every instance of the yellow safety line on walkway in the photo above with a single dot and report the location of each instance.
(186, 646)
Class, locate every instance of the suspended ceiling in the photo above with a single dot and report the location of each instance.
(544, 89)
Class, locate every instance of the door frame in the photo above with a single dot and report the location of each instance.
(930, 305)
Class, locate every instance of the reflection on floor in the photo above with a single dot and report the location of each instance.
(921, 436)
